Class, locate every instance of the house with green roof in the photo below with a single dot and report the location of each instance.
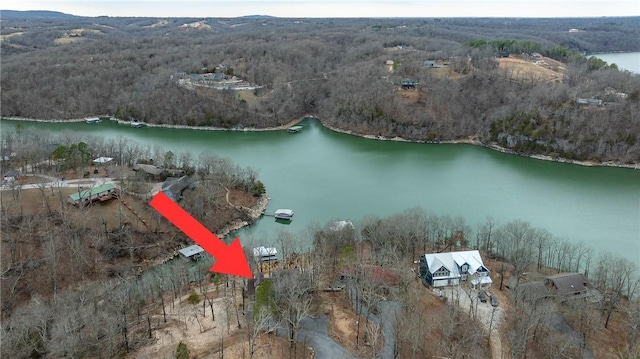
(101, 193)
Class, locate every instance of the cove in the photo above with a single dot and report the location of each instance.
(324, 175)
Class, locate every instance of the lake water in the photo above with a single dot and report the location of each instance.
(323, 176)
(625, 60)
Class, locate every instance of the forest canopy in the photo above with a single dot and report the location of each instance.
(525, 84)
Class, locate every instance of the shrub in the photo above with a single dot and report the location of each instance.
(259, 189)
(182, 352)
(194, 298)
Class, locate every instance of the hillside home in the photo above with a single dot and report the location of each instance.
(454, 268)
(570, 285)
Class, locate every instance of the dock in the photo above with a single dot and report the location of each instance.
(136, 124)
(294, 129)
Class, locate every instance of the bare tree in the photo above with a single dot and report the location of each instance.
(256, 325)
(293, 296)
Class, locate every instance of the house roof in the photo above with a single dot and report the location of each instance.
(287, 212)
(532, 290)
(173, 186)
(340, 225)
(264, 251)
(88, 193)
(376, 274)
(408, 82)
(103, 160)
(191, 250)
(453, 260)
(570, 282)
(150, 169)
(264, 254)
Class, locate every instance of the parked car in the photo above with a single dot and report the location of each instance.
(482, 297)
(494, 301)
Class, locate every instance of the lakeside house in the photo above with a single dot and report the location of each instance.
(454, 268)
(100, 193)
(570, 285)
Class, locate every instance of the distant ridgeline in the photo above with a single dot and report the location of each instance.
(34, 14)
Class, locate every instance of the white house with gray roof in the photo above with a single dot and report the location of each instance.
(454, 268)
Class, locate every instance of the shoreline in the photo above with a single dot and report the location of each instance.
(468, 141)
(255, 212)
(494, 147)
(157, 125)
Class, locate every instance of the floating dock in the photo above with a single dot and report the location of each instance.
(294, 129)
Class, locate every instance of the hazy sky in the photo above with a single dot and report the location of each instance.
(333, 8)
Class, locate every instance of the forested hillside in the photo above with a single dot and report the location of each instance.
(547, 99)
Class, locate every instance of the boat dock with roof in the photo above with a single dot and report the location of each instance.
(294, 129)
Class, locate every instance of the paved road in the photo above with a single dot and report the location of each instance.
(313, 332)
(57, 182)
(389, 312)
(388, 315)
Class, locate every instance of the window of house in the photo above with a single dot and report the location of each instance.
(442, 272)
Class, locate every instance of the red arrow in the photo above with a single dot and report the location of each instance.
(229, 259)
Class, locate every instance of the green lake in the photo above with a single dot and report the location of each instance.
(323, 176)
